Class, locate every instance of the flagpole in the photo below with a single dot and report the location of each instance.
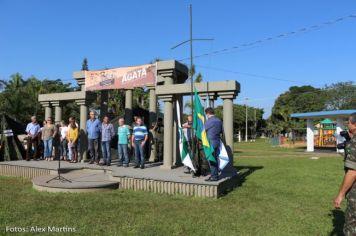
(191, 66)
(191, 75)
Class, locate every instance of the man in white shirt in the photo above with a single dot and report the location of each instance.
(33, 131)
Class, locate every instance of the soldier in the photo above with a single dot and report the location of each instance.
(158, 138)
(348, 186)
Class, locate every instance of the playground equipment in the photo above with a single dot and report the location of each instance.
(325, 133)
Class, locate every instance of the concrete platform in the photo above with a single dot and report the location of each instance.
(91, 176)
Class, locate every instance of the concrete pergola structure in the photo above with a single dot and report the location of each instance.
(340, 116)
(170, 87)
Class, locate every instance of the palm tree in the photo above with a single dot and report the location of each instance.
(198, 78)
(85, 64)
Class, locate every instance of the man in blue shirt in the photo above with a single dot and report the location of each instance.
(214, 129)
(139, 138)
(107, 133)
(33, 131)
(93, 130)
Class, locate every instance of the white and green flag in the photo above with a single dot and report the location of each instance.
(183, 144)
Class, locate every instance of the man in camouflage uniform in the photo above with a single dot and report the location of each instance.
(348, 186)
(158, 135)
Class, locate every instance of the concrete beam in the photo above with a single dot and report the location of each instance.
(162, 67)
(79, 74)
(228, 87)
(55, 97)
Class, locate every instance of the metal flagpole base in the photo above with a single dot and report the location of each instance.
(59, 178)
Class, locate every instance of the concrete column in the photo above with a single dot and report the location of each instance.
(211, 103)
(48, 112)
(57, 112)
(310, 135)
(152, 117)
(128, 106)
(83, 130)
(212, 98)
(228, 121)
(152, 105)
(81, 80)
(203, 97)
(48, 109)
(57, 119)
(104, 103)
(208, 99)
(168, 132)
(339, 127)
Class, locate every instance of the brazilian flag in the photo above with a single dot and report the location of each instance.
(198, 126)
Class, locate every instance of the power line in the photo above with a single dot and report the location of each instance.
(320, 90)
(278, 36)
(253, 75)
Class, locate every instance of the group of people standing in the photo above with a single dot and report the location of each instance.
(100, 136)
(103, 133)
(64, 136)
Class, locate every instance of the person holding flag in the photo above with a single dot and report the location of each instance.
(184, 144)
(208, 131)
(204, 151)
(214, 129)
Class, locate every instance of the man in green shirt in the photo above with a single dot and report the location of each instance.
(123, 138)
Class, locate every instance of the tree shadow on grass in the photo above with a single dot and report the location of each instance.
(338, 222)
(245, 171)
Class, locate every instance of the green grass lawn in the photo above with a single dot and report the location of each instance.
(282, 192)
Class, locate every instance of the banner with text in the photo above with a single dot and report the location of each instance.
(121, 78)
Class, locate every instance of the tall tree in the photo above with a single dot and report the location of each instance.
(197, 79)
(2, 85)
(341, 95)
(239, 112)
(296, 99)
(20, 97)
(85, 64)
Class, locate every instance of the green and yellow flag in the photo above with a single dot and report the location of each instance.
(198, 126)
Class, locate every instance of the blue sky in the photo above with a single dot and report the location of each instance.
(49, 39)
